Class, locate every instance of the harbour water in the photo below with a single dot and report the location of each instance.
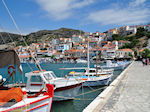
(76, 105)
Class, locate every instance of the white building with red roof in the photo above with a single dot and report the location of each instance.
(124, 53)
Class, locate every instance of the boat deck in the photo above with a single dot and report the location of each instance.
(128, 93)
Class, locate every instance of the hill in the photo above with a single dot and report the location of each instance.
(6, 37)
(43, 35)
(39, 36)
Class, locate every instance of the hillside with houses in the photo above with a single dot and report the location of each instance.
(39, 36)
(69, 45)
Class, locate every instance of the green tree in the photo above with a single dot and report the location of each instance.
(53, 56)
(145, 53)
(130, 55)
(145, 44)
(141, 32)
(117, 37)
(131, 45)
(148, 34)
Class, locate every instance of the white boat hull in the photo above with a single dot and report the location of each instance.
(40, 104)
(115, 67)
(101, 82)
(66, 93)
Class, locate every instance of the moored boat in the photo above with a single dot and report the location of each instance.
(91, 72)
(16, 98)
(115, 66)
(95, 80)
(81, 61)
(65, 88)
(92, 76)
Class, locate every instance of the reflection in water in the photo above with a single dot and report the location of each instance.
(61, 106)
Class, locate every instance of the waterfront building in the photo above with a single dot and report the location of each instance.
(41, 53)
(62, 47)
(124, 53)
(77, 38)
(76, 53)
(127, 30)
(55, 41)
(110, 50)
(24, 56)
(111, 32)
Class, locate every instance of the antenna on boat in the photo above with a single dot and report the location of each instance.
(88, 56)
(14, 22)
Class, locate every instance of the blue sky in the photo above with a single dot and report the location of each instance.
(86, 15)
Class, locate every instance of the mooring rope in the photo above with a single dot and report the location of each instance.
(80, 95)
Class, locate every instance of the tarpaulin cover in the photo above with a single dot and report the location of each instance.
(9, 57)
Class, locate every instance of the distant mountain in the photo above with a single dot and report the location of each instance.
(39, 36)
(43, 35)
(6, 37)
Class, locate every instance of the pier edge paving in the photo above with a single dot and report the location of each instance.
(99, 102)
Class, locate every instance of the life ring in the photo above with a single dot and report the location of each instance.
(11, 70)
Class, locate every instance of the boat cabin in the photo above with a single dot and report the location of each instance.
(91, 70)
(36, 80)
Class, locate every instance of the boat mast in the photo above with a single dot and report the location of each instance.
(18, 29)
(88, 56)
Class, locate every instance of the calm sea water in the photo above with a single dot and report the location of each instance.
(65, 106)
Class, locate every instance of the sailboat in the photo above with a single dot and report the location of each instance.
(91, 76)
(16, 99)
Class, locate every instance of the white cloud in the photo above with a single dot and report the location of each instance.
(121, 16)
(62, 9)
(136, 3)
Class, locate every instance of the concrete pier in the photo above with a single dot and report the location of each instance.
(130, 92)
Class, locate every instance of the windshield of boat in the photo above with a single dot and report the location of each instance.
(49, 76)
(52, 73)
(36, 79)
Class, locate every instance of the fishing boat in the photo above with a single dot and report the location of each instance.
(65, 88)
(115, 66)
(89, 71)
(92, 76)
(16, 99)
(94, 80)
